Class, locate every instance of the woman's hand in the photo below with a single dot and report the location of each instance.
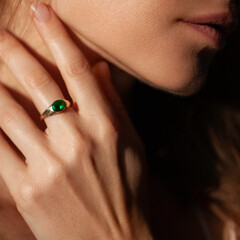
(83, 176)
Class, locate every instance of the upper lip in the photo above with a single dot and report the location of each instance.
(226, 22)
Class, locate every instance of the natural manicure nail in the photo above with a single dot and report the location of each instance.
(40, 11)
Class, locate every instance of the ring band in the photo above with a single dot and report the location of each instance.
(56, 107)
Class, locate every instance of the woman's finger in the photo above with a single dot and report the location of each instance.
(102, 72)
(104, 76)
(19, 127)
(32, 76)
(13, 168)
(71, 62)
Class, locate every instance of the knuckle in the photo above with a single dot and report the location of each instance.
(10, 114)
(37, 81)
(77, 68)
(8, 47)
(79, 147)
(109, 130)
(76, 140)
(33, 194)
(79, 150)
(58, 174)
(57, 171)
(28, 194)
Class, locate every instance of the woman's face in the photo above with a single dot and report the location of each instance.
(146, 37)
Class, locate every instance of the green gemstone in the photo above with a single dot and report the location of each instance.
(58, 105)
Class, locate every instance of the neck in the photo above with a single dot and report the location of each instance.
(30, 38)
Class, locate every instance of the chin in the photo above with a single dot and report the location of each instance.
(181, 72)
(177, 83)
(190, 89)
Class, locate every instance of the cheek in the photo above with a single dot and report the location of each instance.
(173, 61)
(141, 37)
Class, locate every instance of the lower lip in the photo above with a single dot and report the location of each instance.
(216, 37)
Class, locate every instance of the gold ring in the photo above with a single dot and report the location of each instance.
(56, 107)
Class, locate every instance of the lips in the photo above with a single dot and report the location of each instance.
(225, 22)
(214, 35)
(215, 27)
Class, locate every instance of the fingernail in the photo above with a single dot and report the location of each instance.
(40, 11)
